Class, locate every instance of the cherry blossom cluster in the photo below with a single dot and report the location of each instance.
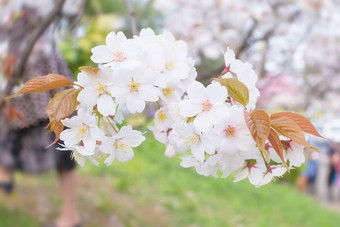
(212, 126)
(205, 125)
(132, 72)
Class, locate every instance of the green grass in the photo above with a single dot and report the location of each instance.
(15, 218)
(191, 199)
(152, 190)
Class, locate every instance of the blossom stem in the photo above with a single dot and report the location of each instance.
(112, 125)
(106, 129)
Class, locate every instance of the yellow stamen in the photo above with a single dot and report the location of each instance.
(133, 86)
(170, 65)
(119, 56)
(82, 132)
(100, 88)
(169, 91)
(206, 106)
(123, 147)
(230, 131)
(75, 155)
(162, 116)
(191, 140)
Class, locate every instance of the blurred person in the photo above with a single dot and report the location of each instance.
(335, 178)
(23, 142)
(306, 182)
(323, 168)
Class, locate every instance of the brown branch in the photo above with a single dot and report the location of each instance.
(23, 57)
(243, 46)
(245, 43)
(132, 14)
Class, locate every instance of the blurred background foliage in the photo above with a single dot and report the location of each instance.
(152, 190)
(100, 18)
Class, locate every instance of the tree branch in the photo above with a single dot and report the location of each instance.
(243, 46)
(132, 14)
(23, 57)
(245, 43)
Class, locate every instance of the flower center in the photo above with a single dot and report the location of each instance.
(133, 86)
(169, 91)
(83, 132)
(206, 106)
(119, 56)
(75, 155)
(230, 131)
(100, 88)
(162, 116)
(123, 147)
(191, 140)
(170, 65)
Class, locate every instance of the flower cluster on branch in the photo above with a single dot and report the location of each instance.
(215, 129)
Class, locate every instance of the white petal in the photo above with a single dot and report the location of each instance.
(198, 151)
(134, 139)
(217, 93)
(72, 122)
(89, 144)
(108, 161)
(170, 151)
(196, 91)
(81, 150)
(105, 76)
(106, 105)
(110, 40)
(88, 97)
(69, 137)
(87, 79)
(101, 54)
(120, 93)
(107, 146)
(149, 93)
(135, 104)
(189, 108)
(203, 122)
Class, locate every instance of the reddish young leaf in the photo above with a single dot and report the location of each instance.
(57, 127)
(89, 69)
(289, 128)
(13, 113)
(62, 104)
(258, 123)
(9, 66)
(43, 83)
(236, 89)
(277, 145)
(59, 107)
(303, 122)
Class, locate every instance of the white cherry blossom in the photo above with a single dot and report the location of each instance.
(189, 137)
(232, 132)
(97, 85)
(134, 87)
(204, 103)
(118, 51)
(82, 128)
(119, 146)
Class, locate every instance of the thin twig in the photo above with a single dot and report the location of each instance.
(243, 46)
(132, 13)
(23, 57)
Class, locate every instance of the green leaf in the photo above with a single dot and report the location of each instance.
(236, 89)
